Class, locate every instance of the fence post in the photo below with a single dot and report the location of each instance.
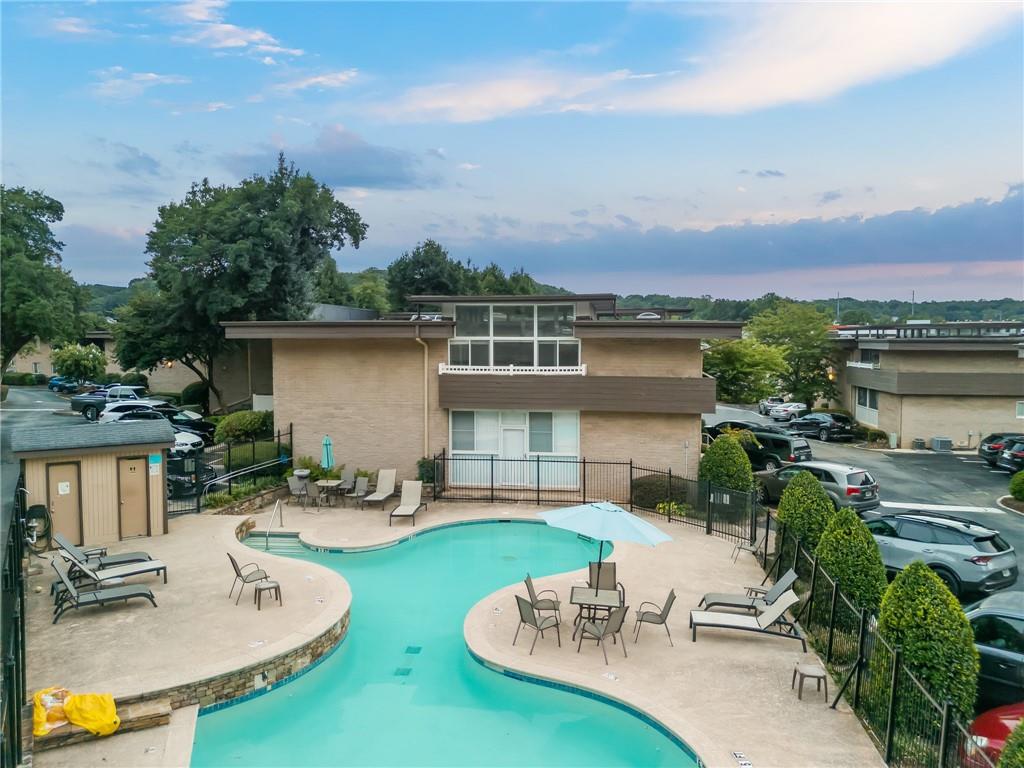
(752, 501)
(253, 453)
(435, 476)
(492, 478)
(832, 621)
(584, 483)
(279, 444)
(538, 479)
(670, 499)
(944, 732)
(630, 485)
(228, 468)
(704, 494)
(861, 638)
(890, 723)
(809, 605)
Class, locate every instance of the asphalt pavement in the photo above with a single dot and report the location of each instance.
(958, 484)
(25, 407)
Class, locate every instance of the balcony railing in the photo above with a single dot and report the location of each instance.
(858, 364)
(513, 370)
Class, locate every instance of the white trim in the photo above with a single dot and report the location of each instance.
(513, 370)
(858, 364)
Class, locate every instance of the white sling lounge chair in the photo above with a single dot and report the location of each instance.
(410, 503)
(762, 623)
(385, 487)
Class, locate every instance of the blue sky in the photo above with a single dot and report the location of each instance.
(726, 149)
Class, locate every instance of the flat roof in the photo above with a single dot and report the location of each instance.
(658, 329)
(504, 298)
(339, 329)
(83, 436)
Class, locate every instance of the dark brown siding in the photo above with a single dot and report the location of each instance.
(636, 394)
(937, 382)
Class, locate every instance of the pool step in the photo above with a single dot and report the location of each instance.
(279, 545)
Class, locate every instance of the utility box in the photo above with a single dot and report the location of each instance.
(918, 444)
(942, 444)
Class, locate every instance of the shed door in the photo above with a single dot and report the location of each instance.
(131, 474)
(64, 496)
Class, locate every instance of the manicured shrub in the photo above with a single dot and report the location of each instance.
(425, 469)
(651, 490)
(1013, 751)
(920, 615)
(135, 379)
(39, 379)
(1017, 486)
(196, 393)
(15, 379)
(849, 554)
(111, 378)
(245, 425)
(805, 508)
(725, 464)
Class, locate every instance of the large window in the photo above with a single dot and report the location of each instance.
(545, 432)
(524, 335)
(472, 320)
(1020, 409)
(513, 320)
(867, 398)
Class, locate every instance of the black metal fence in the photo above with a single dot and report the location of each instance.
(224, 467)
(12, 631)
(570, 480)
(910, 726)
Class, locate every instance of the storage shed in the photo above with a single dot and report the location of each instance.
(100, 482)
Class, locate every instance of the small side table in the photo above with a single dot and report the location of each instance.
(812, 671)
(275, 589)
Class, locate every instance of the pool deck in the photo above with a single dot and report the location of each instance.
(727, 692)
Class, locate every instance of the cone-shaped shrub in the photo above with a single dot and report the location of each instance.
(1017, 486)
(805, 508)
(726, 465)
(920, 615)
(849, 554)
(1013, 751)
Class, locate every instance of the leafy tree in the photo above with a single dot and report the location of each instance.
(801, 332)
(857, 316)
(726, 465)
(331, 286)
(371, 293)
(520, 283)
(231, 253)
(920, 615)
(79, 361)
(427, 269)
(38, 299)
(805, 508)
(745, 370)
(1012, 755)
(848, 553)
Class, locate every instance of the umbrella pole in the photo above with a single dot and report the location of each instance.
(600, 556)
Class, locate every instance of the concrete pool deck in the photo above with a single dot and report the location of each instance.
(727, 692)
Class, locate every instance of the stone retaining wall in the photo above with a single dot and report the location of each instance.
(251, 504)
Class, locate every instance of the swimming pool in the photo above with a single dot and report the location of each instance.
(402, 689)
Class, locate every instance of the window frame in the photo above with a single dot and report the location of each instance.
(535, 339)
(1020, 409)
(554, 412)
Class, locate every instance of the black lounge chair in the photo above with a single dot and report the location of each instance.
(245, 576)
(86, 575)
(97, 556)
(71, 597)
(763, 623)
(756, 599)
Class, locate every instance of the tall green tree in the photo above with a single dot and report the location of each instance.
(245, 252)
(745, 369)
(801, 332)
(330, 285)
(371, 293)
(38, 299)
(82, 362)
(427, 269)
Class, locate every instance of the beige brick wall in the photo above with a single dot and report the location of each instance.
(954, 417)
(642, 357)
(654, 440)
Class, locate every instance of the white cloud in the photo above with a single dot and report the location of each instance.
(75, 26)
(468, 166)
(320, 82)
(118, 84)
(270, 61)
(204, 25)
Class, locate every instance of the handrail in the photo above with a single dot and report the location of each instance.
(277, 508)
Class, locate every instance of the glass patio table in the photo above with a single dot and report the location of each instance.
(588, 599)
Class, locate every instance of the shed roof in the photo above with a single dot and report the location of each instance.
(82, 436)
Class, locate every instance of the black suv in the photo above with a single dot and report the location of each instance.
(1011, 458)
(751, 426)
(996, 443)
(187, 476)
(772, 450)
(824, 426)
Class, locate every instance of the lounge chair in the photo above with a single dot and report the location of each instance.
(73, 598)
(544, 604)
(762, 623)
(85, 575)
(298, 487)
(602, 630)
(358, 490)
(385, 487)
(97, 556)
(529, 618)
(745, 546)
(246, 577)
(659, 616)
(410, 503)
(756, 599)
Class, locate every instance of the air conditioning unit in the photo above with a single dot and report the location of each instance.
(942, 444)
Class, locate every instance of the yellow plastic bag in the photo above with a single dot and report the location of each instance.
(48, 710)
(95, 712)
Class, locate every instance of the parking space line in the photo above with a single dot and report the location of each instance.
(973, 461)
(943, 507)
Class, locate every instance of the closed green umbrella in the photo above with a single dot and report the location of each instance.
(327, 454)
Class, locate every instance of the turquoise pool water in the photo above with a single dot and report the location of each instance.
(403, 690)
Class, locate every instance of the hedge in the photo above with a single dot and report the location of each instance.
(196, 392)
(40, 378)
(13, 378)
(134, 378)
(726, 465)
(110, 378)
(1017, 486)
(245, 425)
(241, 491)
(651, 490)
(1013, 750)
(920, 615)
(805, 508)
(848, 553)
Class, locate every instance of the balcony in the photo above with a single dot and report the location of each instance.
(512, 370)
(858, 364)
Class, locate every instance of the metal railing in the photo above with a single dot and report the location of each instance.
(13, 694)
(514, 370)
(859, 364)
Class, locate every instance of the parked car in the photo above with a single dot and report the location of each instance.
(1011, 458)
(998, 624)
(788, 411)
(847, 486)
(824, 426)
(182, 421)
(186, 443)
(988, 735)
(92, 404)
(67, 386)
(116, 411)
(992, 445)
(772, 450)
(187, 476)
(764, 406)
(53, 382)
(968, 557)
(753, 426)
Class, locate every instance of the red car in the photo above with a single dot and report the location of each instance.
(989, 733)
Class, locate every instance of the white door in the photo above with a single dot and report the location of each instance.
(514, 467)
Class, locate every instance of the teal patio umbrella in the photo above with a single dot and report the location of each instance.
(604, 521)
(327, 454)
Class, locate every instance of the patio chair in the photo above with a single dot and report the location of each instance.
(753, 549)
(348, 479)
(98, 556)
(245, 576)
(756, 599)
(544, 604)
(358, 490)
(605, 571)
(762, 624)
(385, 487)
(74, 598)
(528, 618)
(410, 503)
(298, 487)
(660, 616)
(602, 630)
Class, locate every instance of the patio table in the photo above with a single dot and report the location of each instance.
(588, 597)
(328, 488)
